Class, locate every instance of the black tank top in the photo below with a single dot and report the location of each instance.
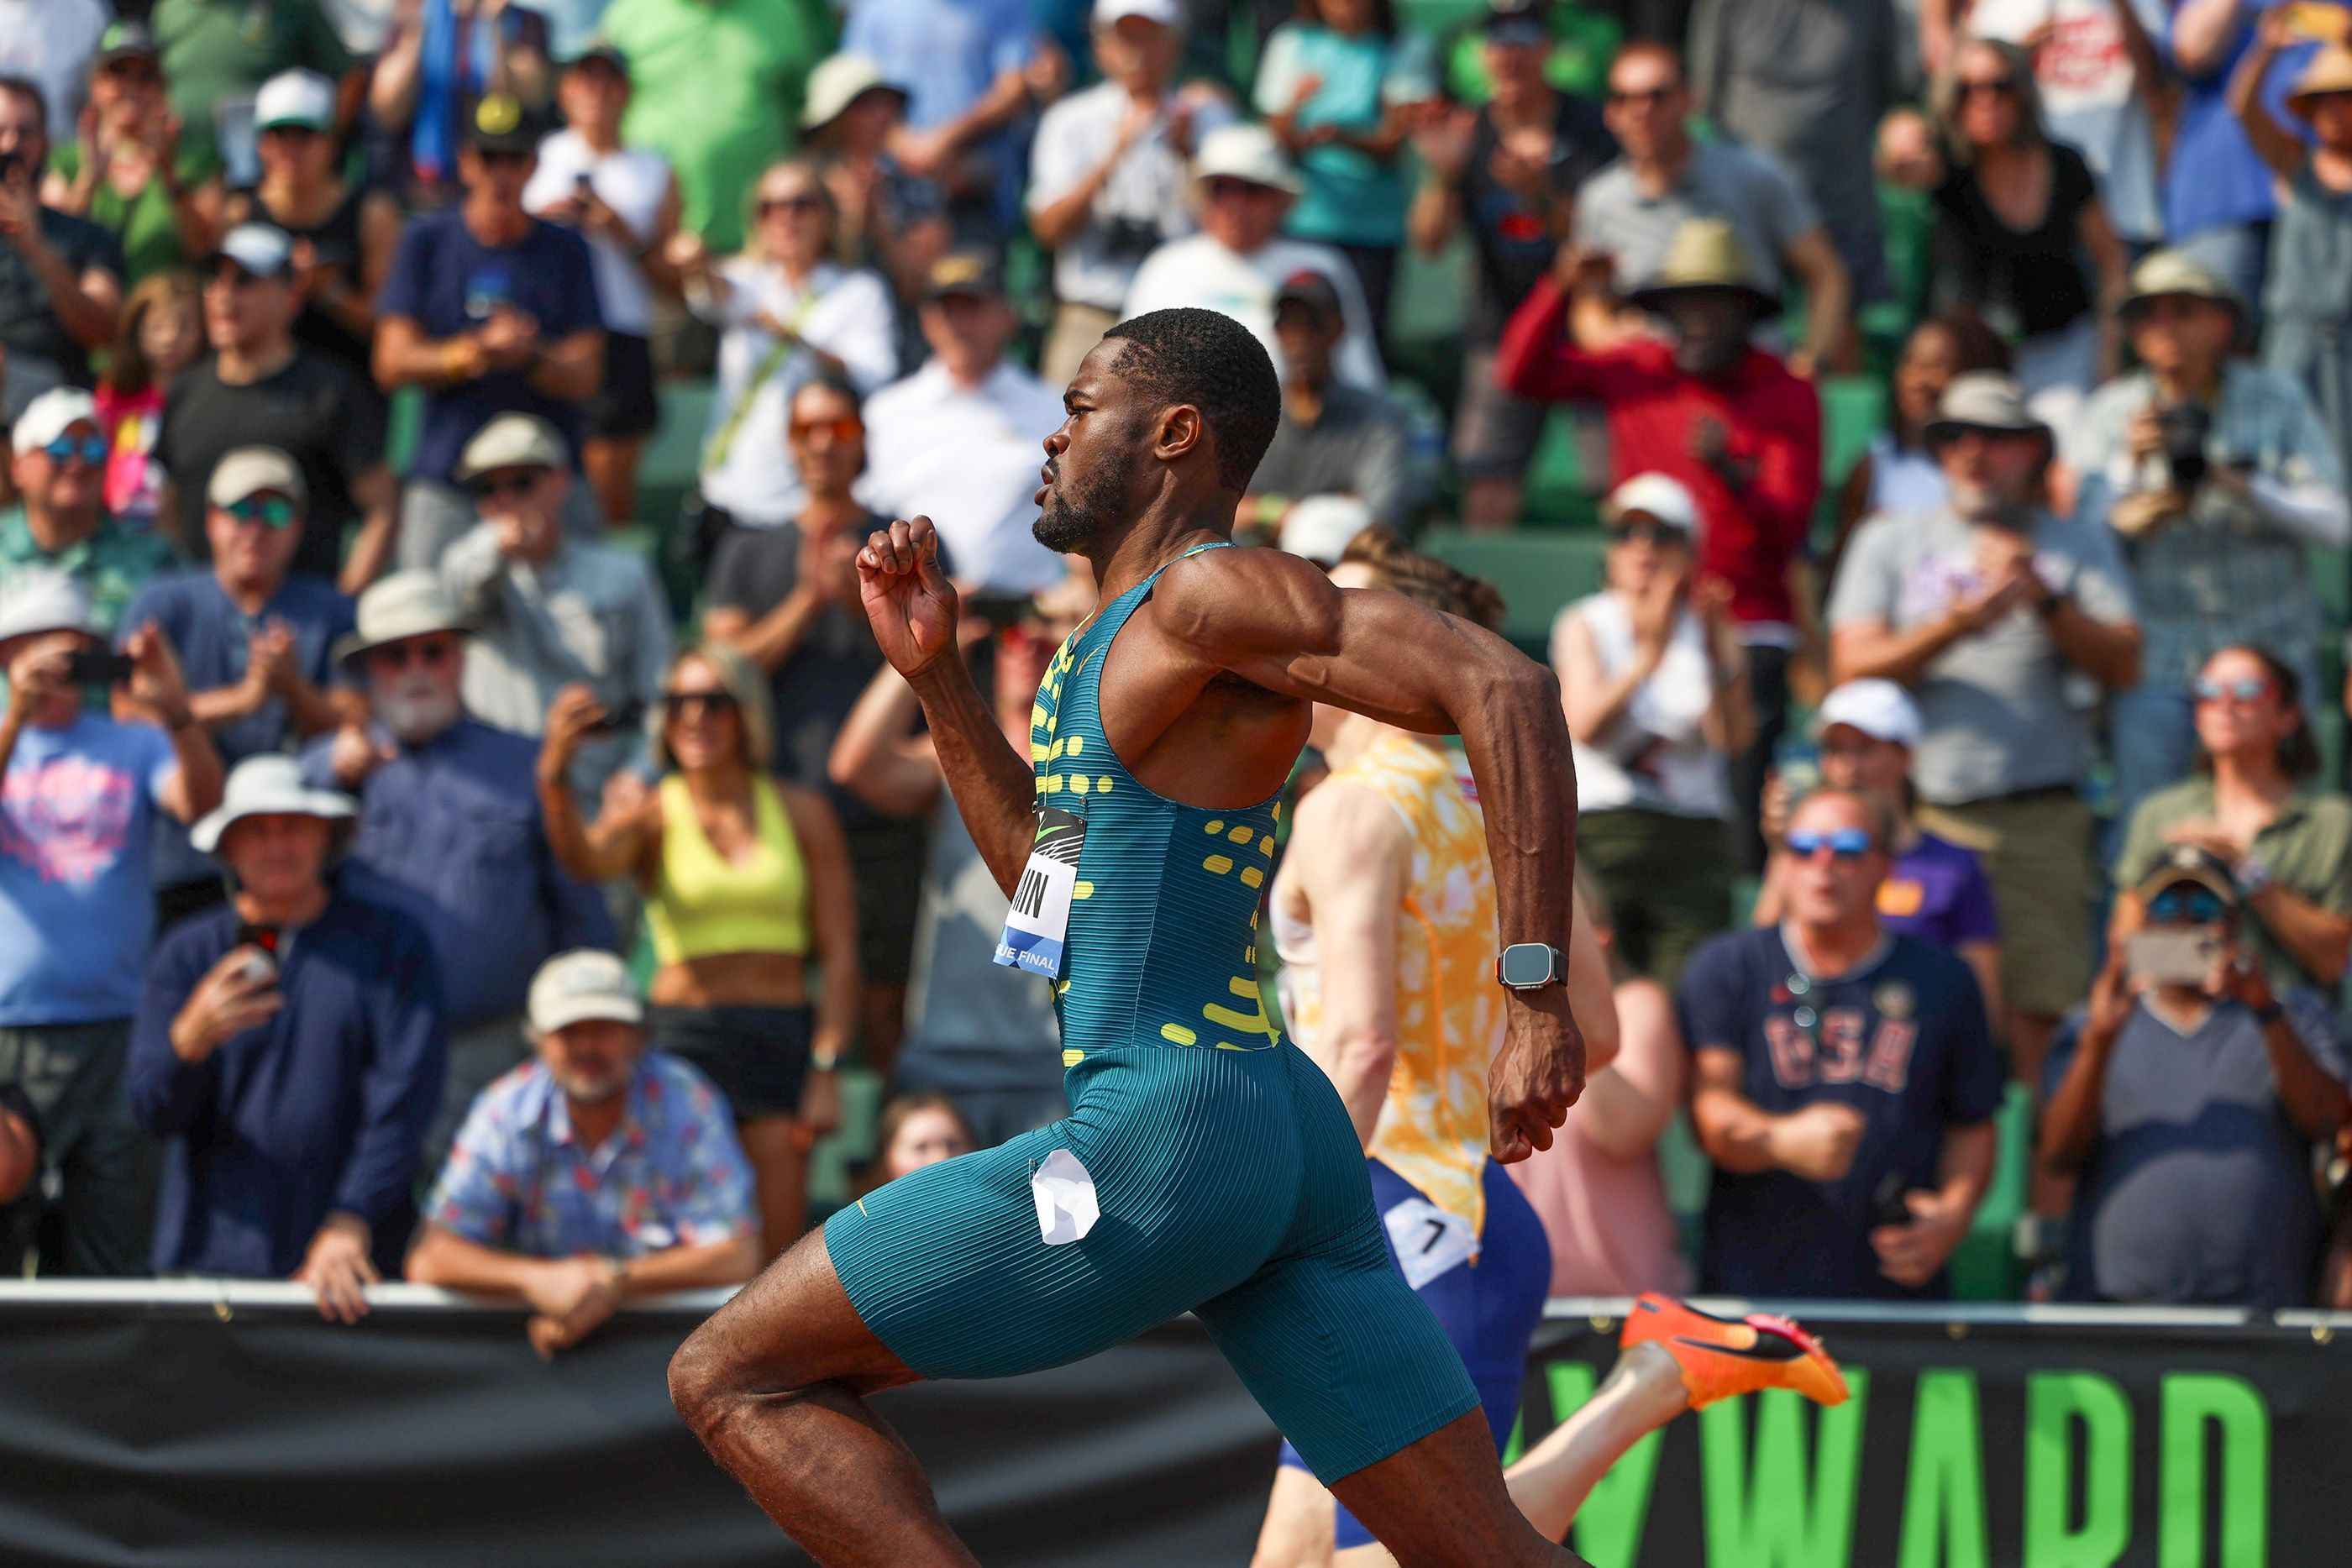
(336, 239)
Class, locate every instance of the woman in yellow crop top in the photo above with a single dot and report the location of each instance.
(747, 887)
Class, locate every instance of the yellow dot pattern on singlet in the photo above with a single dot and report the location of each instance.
(1213, 827)
(1252, 876)
(1082, 890)
(1241, 835)
(1072, 1056)
(1178, 1033)
(1219, 864)
(1077, 744)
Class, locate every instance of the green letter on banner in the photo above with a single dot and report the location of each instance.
(1772, 1518)
(1609, 1525)
(2236, 1408)
(2053, 1402)
(1943, 1496)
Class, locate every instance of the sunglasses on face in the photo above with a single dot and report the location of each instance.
(2244, 689)
(1985, 86)
(429, 653)
(2186, 906)
(1648, 532)
(803, 202)
(1843, 843)
(91, 449)
(699, 705)
(847, 427)
(272, 512)
(1647, 97)
(498, 487)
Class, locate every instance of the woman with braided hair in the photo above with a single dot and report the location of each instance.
(1383, 913)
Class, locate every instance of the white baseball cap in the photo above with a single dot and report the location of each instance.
(513, 441)
(295, 97)
(261, 250)
(1321, 527)
(269, 785)
(43, 601)
(50, 415)
(1880, 709)
(839, 82)
(249, 470)
(1244, 153)
(1109, 13)
(583, 984)
(1659, 495)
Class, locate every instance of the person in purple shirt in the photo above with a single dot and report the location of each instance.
(599, 1172)
(1935, 891)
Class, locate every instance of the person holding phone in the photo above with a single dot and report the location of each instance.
(80, 794)
(59, 524)
(1655, 685)
(748, 902)
(2185, 1098)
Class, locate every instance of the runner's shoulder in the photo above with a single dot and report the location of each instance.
(1247, 600)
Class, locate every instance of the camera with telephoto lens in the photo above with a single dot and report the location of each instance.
(2185, 427)
(1130, 239)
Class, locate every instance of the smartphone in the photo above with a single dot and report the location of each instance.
(262, 965)
(2174, 957)
(619, 717)
(1798, 764)
(1886, 1203)
(98, 668)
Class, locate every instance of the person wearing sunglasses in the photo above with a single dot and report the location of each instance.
(1844, 1081)
(2256, 801)
(2186, 1099)
(1655, 686)
(450, 830)
(255, 638)
(60, 523)
(748, 902)
(548, 608)
(488, 310)
(130, 171)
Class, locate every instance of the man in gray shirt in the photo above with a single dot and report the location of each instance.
(1632, 208)
(1993, 611)
(547, 610)
(1334, 439)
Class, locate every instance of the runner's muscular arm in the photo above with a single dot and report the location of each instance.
(1275, 621)
(912, 608)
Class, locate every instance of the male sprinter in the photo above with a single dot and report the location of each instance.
(1226, 1173)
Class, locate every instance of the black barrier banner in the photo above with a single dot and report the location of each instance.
(1972, 1445)
(178, 1429)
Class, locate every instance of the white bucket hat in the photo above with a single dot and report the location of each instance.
(269, 785)
(1244, 153)
(45, 602)
(583, 984)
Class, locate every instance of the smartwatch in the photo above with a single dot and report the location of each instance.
(1530, 966)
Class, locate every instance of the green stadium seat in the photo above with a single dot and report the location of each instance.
(1561, 490)
(404, 419)
(1985, 1266)
(1853, 409)
(1537, 573)
(673, 454)
(833, 1162)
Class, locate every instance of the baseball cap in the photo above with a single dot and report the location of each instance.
(1880, 709)
(50, 415)
(2189, 864)
(964, 272)
(513, 441)
(1248, 153)
(295, 97)
(1516, 22)
(126, 41)
(259, 249)
(1310, 288)
(498, 124)
(601, 53)
(839, 82)
(1659, 495)
(250, 470)
(1321, 527)
(45, 602)
(1109, 13)
(583, 984)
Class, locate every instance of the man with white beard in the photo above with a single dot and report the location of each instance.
(450, 832)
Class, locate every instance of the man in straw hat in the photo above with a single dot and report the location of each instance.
(2220, 473)
(1708, 409)
(1986, 611)
(1243, 187)
(450, 830)
(76, 900)
(288, 1049)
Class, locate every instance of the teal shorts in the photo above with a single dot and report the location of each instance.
(1231, 1184)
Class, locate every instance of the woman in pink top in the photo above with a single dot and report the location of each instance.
(1597, 1189)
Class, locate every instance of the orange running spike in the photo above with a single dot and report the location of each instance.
(1723, 1357)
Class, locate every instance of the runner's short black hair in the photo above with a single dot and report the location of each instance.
(1207, 359)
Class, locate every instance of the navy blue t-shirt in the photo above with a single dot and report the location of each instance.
(448, 282)
(1901, 1039)
(211, 638)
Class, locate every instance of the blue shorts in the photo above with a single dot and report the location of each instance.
(1231, 1184)
(1489, 1308)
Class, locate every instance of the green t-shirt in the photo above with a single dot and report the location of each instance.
(2308, 850)
(223, 50)
(142, 224)
(716, 86)
(111, 565)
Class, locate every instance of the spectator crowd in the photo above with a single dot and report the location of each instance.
(431, 846)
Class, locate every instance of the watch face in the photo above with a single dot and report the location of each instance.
(1527, 964)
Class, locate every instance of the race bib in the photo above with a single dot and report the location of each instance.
(1038, 923)
(1428, 1240)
